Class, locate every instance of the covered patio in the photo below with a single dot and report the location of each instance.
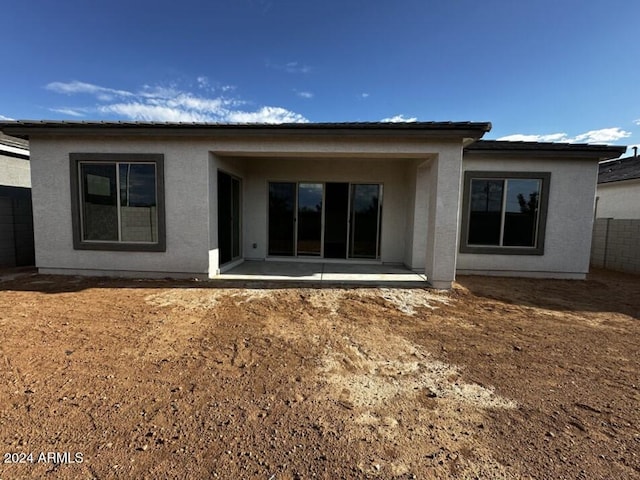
(326, 273)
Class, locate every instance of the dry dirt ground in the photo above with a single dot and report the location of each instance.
(499, 378)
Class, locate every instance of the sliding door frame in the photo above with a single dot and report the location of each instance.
(348, 255)
(236, 217)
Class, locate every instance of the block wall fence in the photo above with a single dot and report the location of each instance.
(616, 244)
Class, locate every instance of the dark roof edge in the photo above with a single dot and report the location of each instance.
(9, 153)
(547, 149)
(619, 170)
(26, 128)
(13, 147)
(618, 180)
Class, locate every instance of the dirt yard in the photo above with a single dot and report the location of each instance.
(499, 378)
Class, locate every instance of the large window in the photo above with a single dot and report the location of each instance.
(504, 213)
(118, 201)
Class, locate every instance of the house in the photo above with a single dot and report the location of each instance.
(16, 223)
(618, 191)
(189, 199)
(616, 233)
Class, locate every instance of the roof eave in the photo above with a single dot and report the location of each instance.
(465, 130)
(620, 180)
(485, 148)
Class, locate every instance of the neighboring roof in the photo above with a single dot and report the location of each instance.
(547, 149)
(13, 146)
(26, 128)
(621, 169)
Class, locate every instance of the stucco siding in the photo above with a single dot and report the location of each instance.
(410, 182)
(619, 200)
(191, 166)
(443, 219)
(186, 199)
(569, 220)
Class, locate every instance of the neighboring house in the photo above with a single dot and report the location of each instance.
(616, 234)
(174, 199)
(16, 223)
(618, 192)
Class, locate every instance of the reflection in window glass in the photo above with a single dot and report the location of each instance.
(365, 229)
(282, 200)
(310, 218)
(486, 212)
(99, 202)
(138, 208)
(127, 214)
(504, 212)
(521, 212)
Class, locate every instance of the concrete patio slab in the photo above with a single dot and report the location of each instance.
(325, 273)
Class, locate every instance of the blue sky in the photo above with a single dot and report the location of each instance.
(561, 70)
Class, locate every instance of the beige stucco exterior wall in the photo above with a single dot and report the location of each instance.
(14, 172)
(191, 166)
(421, 202)
(443, 216)
(620, 200)
(186, 199)
(569, 220)
(410, 183)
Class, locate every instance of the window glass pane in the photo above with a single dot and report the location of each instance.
(486, 212)
(138, 206)
(99, 202)
(309, 218)
(364, 220)
(282, 200)
(521, 212)
(225, 237)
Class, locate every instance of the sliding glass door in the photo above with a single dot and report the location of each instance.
(328, 220)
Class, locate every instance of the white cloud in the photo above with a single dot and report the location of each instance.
(398, 119)
(203, 82)
(148, 113)
(304, 94)
(552, 137)
(637, 122)
(75, 87)
(290, 67)
(74, 112)
(267, 115)
(158, 92)
(171, 104)
(189, 102)
(2, 117)
(295, 67)
(603, 135)
(364, 95)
